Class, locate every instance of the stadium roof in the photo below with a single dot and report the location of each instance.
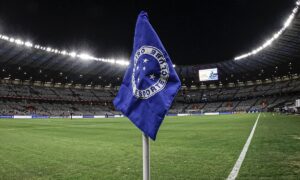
(194, 32)
(24, 60)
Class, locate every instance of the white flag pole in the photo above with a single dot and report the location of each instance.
(146, 157)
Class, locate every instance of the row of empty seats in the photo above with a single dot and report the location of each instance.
(65, 94)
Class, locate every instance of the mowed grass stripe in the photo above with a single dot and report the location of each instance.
(207, 149)
(66, 153)
(187, 148)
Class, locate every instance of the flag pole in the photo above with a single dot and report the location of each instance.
(146, 157)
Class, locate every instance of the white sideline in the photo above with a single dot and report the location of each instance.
(235, 170)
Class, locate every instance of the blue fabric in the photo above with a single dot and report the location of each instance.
(150, 82)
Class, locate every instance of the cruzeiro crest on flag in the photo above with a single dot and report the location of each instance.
(150, 72)
(150, 83)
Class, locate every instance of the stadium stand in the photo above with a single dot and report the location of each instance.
(59, 101)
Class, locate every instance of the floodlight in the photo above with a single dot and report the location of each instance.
(28, 44)
(19, 41)
(122, 62)
(12, 40)
(73, 54)
(275, 35)
(85, 56)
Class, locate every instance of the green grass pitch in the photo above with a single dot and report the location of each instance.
(203, 147)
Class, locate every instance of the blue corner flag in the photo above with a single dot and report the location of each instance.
(150, 82)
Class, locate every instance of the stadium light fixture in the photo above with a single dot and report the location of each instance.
(19, 42)
(122, 62)
(28, 44)
(64, 52)
(49, 49)
(4, 37)
(275, 35)
(73, 54)
(85, 56)
(12, 40)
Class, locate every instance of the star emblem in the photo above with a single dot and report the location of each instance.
(138, 79)
(146, 60)
(144, 68)
(152, 76)
(137, 68)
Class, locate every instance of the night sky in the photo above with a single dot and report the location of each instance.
(193, 32)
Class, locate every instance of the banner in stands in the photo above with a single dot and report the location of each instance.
(6, 117)
(183, 114)
(211, 113)
(39, 117)
(225, 113)
(58, 117)
(87, 116)
(77, 117)
(22, 117)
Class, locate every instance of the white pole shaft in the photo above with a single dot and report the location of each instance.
(146, 157)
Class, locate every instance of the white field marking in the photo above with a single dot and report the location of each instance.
(296, 137)
(235, 170)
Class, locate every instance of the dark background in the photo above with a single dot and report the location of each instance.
(193, 32)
